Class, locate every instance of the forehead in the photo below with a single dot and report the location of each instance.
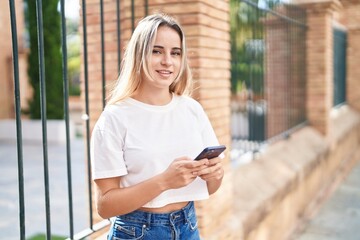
(166, 36)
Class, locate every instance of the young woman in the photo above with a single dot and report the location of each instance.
(144, 142)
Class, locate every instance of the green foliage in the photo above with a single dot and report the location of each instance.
(53, 57)
(248, 70)
(43, 237)
(247, 46)
(74, 63)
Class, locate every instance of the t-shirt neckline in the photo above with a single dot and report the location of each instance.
(151, 107)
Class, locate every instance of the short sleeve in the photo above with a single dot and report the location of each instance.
(207, 132)
(107, 156)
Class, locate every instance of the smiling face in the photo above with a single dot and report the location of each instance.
(165, 60)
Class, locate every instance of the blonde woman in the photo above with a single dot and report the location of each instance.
(144, 142)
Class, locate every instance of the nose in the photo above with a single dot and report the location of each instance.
(166, 59)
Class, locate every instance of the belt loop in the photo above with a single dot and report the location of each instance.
(186, 209)
(149, 218)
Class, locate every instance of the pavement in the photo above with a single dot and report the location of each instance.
(35, 214)
(337, 219)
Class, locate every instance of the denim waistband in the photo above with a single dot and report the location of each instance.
(160, 218)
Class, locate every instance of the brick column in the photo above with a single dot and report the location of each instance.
(351, 15)
(207, 28)
(7, 109)
(319, 62)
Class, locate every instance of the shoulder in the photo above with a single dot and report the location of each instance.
(192, 107)
(190, 102)
(113, 116)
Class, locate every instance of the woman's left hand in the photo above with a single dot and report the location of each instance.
(213, 171)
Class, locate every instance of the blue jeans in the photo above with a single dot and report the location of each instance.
(177, 225)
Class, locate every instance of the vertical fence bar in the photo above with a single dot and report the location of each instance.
(43, 112)
(263, 67)
(18, 120)
(287, 96)
(118, 33)
(132, 15)
(146, 7)
(102, 52)
(66, 115)
(86, 82)
(292, 68)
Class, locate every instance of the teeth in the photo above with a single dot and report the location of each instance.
(166, 72)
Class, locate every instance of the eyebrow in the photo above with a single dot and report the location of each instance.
(174, 48)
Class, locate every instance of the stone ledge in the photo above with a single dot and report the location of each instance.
(291, 173)
(264, 182)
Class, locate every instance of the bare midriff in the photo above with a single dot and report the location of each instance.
(168, 208)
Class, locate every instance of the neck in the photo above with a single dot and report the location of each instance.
(153, 98)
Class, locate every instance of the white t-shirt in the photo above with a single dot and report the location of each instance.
(138, 141)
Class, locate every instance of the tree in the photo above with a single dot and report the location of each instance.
(53, 56)
(247, 45)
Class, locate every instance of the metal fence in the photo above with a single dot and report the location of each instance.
(268, 72)
(92, 227)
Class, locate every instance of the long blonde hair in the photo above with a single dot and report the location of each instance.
(137, 54)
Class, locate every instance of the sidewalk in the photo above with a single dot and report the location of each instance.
(339, 217)
(35, 217)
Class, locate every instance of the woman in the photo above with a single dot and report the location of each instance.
(144, 142)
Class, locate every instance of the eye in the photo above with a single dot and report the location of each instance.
(155, 51)
(176, 53)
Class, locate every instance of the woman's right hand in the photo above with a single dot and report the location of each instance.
(182, 171)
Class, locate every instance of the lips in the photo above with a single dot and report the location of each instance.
(164, 72)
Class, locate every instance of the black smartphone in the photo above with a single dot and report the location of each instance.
(211, 152)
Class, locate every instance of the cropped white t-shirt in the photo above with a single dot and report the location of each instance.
(137, 141)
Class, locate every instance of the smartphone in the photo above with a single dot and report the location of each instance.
(211, 152)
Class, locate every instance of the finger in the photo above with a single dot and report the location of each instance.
(195, 164)
(210, 170)
(184, 158)
(195, 171)
(214, 161)
(214, 175)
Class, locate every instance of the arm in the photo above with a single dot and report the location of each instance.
(112, 200)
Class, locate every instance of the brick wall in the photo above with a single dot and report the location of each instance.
(6, 65)
(352, 8)
(5, 46)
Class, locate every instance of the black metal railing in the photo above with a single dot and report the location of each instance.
(20, 162)
(92, 227)
(268, 72)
